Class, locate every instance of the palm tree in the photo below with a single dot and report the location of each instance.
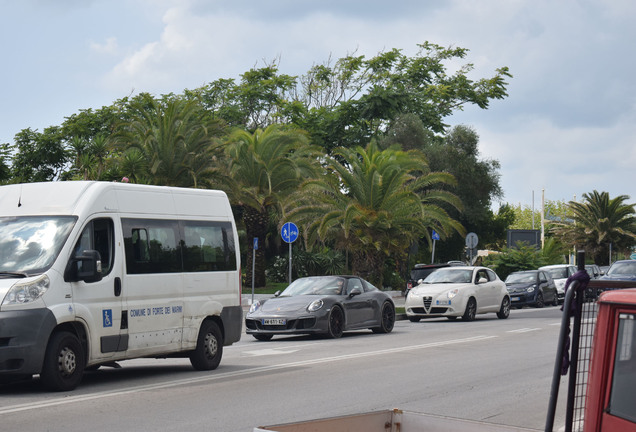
(262, 168)
(374, 205)
(175, 138)
(600, 223)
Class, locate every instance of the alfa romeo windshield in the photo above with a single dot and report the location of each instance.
(30, 244)
(449, 275)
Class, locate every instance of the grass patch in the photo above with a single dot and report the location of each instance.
(270, 288)
(400, 310)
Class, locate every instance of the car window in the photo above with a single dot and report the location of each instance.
(558, 272)
(491, 275)
(481, 274)
(354, 283)
(450, 275)
(625, 267)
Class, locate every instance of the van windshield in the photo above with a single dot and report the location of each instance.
(30, 244)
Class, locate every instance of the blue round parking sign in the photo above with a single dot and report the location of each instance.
(289, 232)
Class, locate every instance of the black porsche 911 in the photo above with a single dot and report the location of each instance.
(327, 305)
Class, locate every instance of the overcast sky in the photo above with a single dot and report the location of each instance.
(568, 125)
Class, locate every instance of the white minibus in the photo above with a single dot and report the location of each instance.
(96, 272)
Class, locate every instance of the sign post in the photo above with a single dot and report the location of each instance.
(289, 233)
(254, 249)
(471, 243)
(435, 237)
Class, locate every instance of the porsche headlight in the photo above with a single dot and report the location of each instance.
(27, 292)
(315, 305)
(255, 306)
(452, 293)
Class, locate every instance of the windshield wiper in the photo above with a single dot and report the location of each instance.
(16, 273)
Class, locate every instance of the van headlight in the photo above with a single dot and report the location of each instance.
(27, 292)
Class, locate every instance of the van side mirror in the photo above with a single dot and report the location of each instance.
(86, 267)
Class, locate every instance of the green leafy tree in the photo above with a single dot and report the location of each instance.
(522, 257)
(477, 187)
(600, 221)
(176, 140)
(373, 204)
(38, 156)
(259, 99)
(5, 168)
(357, 98)
(260, 170)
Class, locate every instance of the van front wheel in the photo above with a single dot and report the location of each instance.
(209, 350)
(64, 362)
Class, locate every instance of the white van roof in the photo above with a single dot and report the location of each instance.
(88, 197)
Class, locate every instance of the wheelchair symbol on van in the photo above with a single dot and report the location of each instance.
(108, 318)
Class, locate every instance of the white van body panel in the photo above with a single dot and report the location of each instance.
(130, 312)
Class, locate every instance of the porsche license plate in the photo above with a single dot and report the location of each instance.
(274, 321)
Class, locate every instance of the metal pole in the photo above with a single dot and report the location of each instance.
(253, 270)
(290, 263)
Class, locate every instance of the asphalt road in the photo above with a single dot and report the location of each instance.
(490, 370)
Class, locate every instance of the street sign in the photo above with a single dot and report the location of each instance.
(471, 240)
(289, 232)
(255, 243)
(435, 236)
(633, 256)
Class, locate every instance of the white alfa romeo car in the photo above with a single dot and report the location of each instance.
(453, 292)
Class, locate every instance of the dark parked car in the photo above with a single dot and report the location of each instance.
(420, 271)
(621, 270)
(531, 287)
(326, 305)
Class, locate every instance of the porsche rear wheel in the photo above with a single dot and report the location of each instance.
(336, 323)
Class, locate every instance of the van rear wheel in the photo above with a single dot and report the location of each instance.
(64, 362)
(207, 355)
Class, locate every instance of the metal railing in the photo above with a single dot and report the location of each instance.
(583, 311)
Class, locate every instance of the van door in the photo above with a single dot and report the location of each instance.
(154, 285)
(99, 304)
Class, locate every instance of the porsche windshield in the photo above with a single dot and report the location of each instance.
(323, 285)
(449, 275)
(30, 244)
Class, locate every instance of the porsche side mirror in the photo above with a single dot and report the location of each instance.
(354, 292)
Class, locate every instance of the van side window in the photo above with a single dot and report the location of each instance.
(208, 246)
(166, 246)
(151, 246)
(98, 235)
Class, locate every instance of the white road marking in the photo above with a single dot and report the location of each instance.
(523, 330)
(218, 376)
(268, 351)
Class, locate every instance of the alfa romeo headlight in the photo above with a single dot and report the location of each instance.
(27, 292)
(452, 293)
